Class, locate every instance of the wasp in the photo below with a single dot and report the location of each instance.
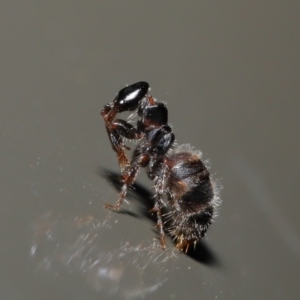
(178, 172)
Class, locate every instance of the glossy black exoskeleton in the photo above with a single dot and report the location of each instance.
(178, 172)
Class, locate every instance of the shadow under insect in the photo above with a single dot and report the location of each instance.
(200, 253)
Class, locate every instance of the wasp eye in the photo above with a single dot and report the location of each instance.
(129, 97)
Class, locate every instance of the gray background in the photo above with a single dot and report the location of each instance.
(229, 72)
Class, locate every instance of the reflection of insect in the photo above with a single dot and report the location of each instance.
(177, 171)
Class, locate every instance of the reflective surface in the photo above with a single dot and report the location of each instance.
(110, 267)
(230, 77)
